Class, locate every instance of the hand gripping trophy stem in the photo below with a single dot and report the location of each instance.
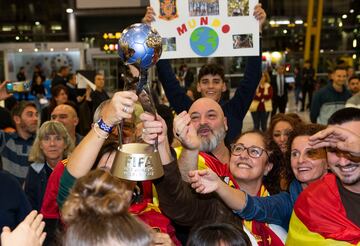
(141, 46)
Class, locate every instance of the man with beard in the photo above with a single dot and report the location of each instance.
(206, 117)
(15, 147)
(204, 125)
(328, 211)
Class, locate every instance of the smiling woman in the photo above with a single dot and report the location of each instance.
(249, 167)
(52, 144)
(308, 164)
(252, 159)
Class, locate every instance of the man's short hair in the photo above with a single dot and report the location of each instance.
(344, 115)
(99, 74)
(74, 106)
(339, 67)
(353, 77)
(19, 108)
(213, 69)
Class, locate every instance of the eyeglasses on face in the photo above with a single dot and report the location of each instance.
(253, 151)
(308, 153)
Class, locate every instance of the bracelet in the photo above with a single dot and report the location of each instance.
(96, 125)
(103, 126)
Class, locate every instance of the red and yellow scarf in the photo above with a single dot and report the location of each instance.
(261, 231)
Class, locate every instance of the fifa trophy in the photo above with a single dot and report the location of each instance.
(140, 46)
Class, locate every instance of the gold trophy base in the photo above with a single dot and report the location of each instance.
(137, 162)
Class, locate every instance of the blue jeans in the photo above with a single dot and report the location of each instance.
(260, 120)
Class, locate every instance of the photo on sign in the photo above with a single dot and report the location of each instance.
(242, 41)
(238, 7)
(168, 10)
(169, 44)
(203, 7)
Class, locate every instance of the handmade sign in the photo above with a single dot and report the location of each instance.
(204, 28)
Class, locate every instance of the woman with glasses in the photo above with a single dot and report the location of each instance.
(308, 165)
(251, 162)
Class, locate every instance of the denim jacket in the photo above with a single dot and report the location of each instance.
(274, 209)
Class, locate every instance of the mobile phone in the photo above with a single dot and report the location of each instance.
(18, 86)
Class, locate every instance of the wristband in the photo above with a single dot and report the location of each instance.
(103, 126)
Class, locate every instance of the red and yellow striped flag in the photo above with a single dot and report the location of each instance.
(319, 217)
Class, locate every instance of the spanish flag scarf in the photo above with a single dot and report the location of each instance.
(206, 160)
(319, 217)
(261, 231)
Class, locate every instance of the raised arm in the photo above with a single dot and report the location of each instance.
(175, 94)
(244, 94)
(337, 137)
(272, 209)
(187, 135)
(177, 200)
(206, 181)
(156, 128)
(3, 92)
(237, 107)
(84, 155)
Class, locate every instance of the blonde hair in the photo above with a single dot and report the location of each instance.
(50, 128)
(96, 213)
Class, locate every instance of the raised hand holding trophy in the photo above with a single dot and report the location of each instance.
(139, 45)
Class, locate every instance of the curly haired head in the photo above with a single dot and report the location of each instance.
(96, 213)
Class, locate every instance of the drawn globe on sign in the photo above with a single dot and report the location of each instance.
(141, 45)
(204, 41)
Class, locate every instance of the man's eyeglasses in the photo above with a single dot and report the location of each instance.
(253, 151)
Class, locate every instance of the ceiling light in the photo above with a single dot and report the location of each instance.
(344, 16)
(282, 22)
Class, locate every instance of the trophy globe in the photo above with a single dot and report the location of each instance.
(139, 45)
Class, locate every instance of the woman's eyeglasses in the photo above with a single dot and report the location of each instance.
(253, 151)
